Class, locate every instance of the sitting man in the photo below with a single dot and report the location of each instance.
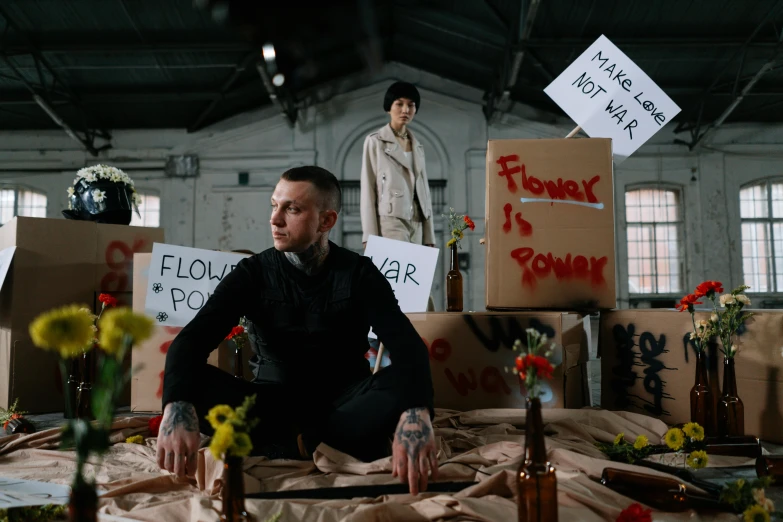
(310, 304)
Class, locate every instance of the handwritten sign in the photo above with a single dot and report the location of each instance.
(609, 96)
(181, 279)
(408, 267)
(550, 225)
(6, 256)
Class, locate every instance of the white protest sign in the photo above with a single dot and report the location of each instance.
(610, 97)
(408, 267)
(6, 256)
(19, 493)
(181, 279)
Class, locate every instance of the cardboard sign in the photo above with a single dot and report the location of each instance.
(550, 224)
(410, 269)
(149, 357)
(648, 365)
(6, 256)
(609, 96)
(469, 354)
(181, 279)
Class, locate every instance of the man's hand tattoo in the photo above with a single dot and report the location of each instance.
(181, 414)
(413, 433)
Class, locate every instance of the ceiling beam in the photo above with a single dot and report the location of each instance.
(696, 135)
(40, 93)
(229, 82)
(96, 46)
(498, 97)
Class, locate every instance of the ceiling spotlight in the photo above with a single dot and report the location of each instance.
(269, 52)
(278, 80)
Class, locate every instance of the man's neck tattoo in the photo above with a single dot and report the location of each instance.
(311, 261)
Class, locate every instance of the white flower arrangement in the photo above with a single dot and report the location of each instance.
(96, 172)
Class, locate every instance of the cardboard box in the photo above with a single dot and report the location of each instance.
(57, 262)
(149, 357)
(550, 224)
(648, 366)
(470, 351)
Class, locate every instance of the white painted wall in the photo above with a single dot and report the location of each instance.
(212, 211)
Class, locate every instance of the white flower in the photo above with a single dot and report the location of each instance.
(743, 299)
(734, 349)
(533, 333)
(702, 324)
(90, 176)
(98, 195)
(727, 299)
(693, 336)
(136, 199)
(714, 318)
(543, 339)
(71, 191)
(758, 495)
(768, 505)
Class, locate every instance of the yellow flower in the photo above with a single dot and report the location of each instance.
(460, 234)
(135, 439)
(117, 323)
(641, 442)
(220, 414)
(674, 438)
(241, 446)
(451, 242)
(693, 431)
(221, 440)
(67, 329)
(755, 513)
(619, 438)
(697, 459)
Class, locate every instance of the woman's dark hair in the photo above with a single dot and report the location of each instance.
(399, 90)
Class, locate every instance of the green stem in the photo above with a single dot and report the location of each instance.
(69, 401)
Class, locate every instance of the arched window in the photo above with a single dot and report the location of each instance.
(20, 201)
(149, 210)
(655, 232)
(761, 217)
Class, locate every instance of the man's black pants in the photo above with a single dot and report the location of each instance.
(358, 421)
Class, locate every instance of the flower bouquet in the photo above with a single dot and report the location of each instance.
(458, 223)
(238, 336)
(687, 442)
(231, 442)
(536, 483)
(69, 330)
(749, 498)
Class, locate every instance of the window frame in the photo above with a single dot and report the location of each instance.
(17, 187)
(771, 221)
(141, 191)
(680, 224)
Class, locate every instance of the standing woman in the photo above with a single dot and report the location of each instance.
(395, 200)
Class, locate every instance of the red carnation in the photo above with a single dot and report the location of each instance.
(687, 302)
(13, 416)
(635, 513)
(543, 367)
(709, 288)
(154, 425)
(107, 300)
(470, 223)
(237, 330)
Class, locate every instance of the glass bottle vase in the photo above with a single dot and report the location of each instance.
(730, 410)
(83, 501)
(701, 396)
(454, 283)
(536, 480)
(233, 495)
